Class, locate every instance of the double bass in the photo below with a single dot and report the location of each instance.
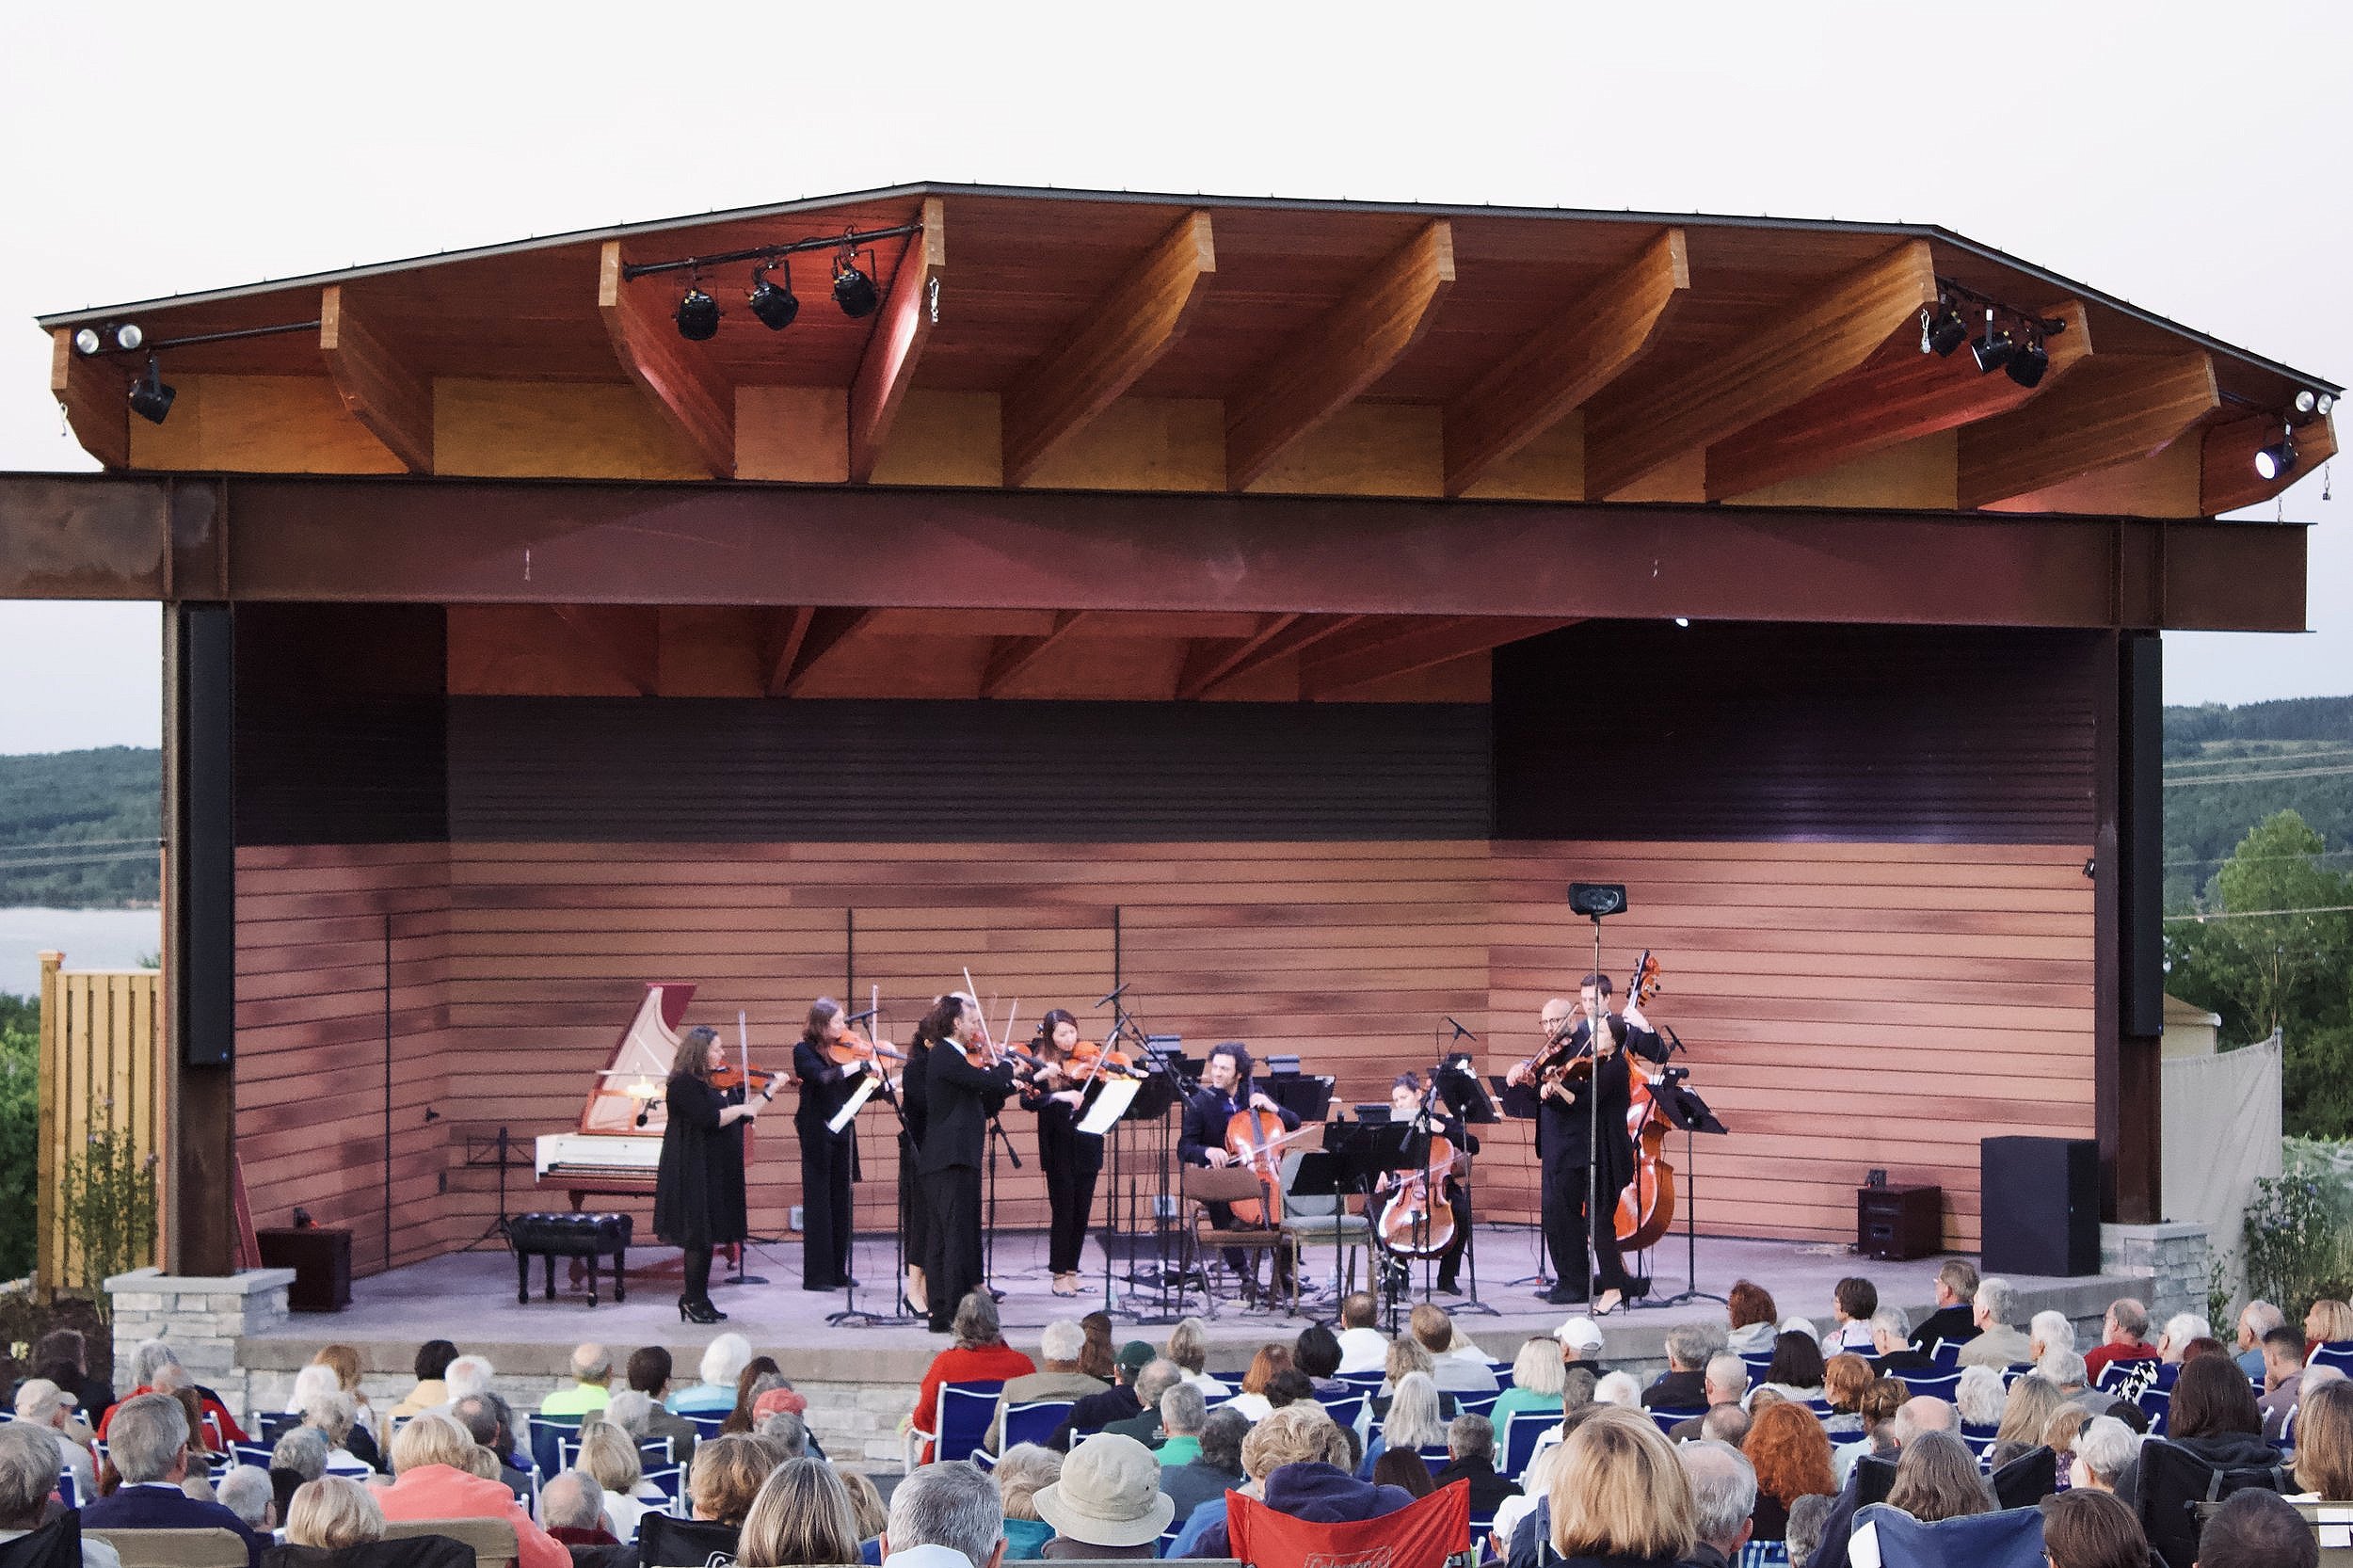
(1646, 1208)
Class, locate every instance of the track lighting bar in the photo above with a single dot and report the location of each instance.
(128, 339)
(856, 239)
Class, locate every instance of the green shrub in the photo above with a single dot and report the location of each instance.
(108, 1198)
(2297, 1244)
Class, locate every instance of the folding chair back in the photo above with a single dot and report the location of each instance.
(1522, 1430)
(547, 1435)
(1423, 1535)
(492, 1539)
(1940, 1386)
(204, 1548)
(1033, 1421)
(666, 1542)
(2332, 1352)
(2026, 1479)
(966, 1410)
(56, 1544)
(2173, 1482)
(1667, 1420)
(2012, 1539)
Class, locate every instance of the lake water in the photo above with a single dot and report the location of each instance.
(89, 938)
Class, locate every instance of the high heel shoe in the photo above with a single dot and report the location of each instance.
(698, 1312)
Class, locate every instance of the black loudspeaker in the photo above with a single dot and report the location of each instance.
(2042, 1206)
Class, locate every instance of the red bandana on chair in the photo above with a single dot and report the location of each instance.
(1422, 1536)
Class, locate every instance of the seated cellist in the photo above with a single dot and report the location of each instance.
(1225, 1092)
(1408, 1096)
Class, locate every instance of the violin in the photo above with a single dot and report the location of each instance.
(1092, 1060)
(855, 1047)
(759, 1080)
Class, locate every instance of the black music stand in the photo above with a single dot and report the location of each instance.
(1386, 1148)
(1323, 1174)
(1466, 1097)
(1307, 1096)
(1519, 1102)
(1686, 1110)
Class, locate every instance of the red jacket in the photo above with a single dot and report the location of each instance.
(2100, 1355)
(441, 1492)
(989, 1363)
(224, 1426)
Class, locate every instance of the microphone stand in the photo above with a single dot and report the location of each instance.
(1596, 1022)
(988, 1262)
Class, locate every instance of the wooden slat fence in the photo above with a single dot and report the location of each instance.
(100, 1068)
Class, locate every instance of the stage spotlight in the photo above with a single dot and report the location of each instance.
(1993, 349)
(2307, 401)
(128, 336)
(2277, 461)
(86, 341)
(2324, 403)
(2026, 366)
(698, 315)
(776, 307)
(151, 399)
(852, 290)
(1942, 330)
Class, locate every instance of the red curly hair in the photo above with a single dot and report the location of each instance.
(1791, 1453)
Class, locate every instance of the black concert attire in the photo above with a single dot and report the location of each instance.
(1071, 1160)
(1450, 1259)
(915, 1103)
(1563, 1143)
(1206, 1113)
(699, 1189)
(828, 1165)
(963, 1098)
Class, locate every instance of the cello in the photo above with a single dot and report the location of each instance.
(1413, 1223)
(1646, 1208)
(1253, 1138)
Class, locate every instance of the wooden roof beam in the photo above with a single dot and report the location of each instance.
(901, 329)
(2112, 410)
(1558, 370)
(95, 396)
(683, 382)
(1331, 364)
(823, 636)
(782, 631)
(1794, 352)
(626, 638)
(2228, 479)
(1013, 656)
(1281, 637)
(1901, 394)
(1120, 336)
(1402, 645)
(382, 390)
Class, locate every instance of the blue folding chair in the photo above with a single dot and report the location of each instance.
(1477, 1404)
(651, 1452)
(1368, 1382)
(251, 1453)
(1033, 1421)
(2332, 1352)
(961, 1418)
(1765, 1554)
(1344, 1409)
(545, 1434)
(66, 1488)
(1437, 1455)
(1941, 1385)
(1522, 1430)
(1502, 1369)
(670, 1480)
(1758, 1366)
(1667, 1420)
(705, 1424)
(2157, 1404)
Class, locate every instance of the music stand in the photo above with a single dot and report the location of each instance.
(1309, 1098)
(1686, 1110)
(1466, 1097)
(1323, 1174)
(1520, 1103)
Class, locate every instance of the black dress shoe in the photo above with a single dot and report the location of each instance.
(1448, 1288)
(1562, 1296)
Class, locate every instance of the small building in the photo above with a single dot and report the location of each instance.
(2189, 1030)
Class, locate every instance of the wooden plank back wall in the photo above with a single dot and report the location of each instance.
(312, 1037)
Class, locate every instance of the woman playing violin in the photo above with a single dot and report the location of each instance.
(1209, 1112)
(1071, 1160)
(829, 1159)
(699, 1189)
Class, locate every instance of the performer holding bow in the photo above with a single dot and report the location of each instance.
(1577, 1064)
(969, 1085)
(1412, 1101)
(1225, 1092)
(699, 1189)
(831, 1060)
(1071, 1160)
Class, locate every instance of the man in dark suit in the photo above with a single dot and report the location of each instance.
(147, 1442)
(962, 1097)
(1470, 1447)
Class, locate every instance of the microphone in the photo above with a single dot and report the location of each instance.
(857, 1017)
(1460, 1033)
(1114, 995)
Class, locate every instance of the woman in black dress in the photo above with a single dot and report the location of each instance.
(1071, 1159)
(914, 1213)
(698, 1191)
(829, 1159)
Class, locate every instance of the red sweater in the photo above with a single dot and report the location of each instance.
(2100, 1355)
(989, 1363)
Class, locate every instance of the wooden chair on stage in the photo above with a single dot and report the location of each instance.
(492, 1539)
(1206, 1244)
(204, 1548)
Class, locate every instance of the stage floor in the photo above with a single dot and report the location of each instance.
(470, 1297)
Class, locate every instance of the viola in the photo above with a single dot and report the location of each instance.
(1092, 1060)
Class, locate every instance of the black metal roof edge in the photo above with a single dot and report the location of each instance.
(930, 187)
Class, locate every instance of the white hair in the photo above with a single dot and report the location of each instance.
(2054, 1330)
(2314, 1375)
(1895, 1321)
(468, 1374)
(724, 1359)
(245, 1492)
(1728, 1373)
(1723, 1488)
(572, 1500)
(951, 1505)
(1413, 1422)
(1062, 1340)
(1619, 1388)
(1997, 1299)
(2181, 1329)
(150, 1357)
(310, 1383)
(2106, 1446)
(2064, 1367)
(630, 1411)
(1981, 1396)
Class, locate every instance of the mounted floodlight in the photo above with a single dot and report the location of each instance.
(1992, 350)
(852, 290)
(2026, 366)
(1942, 330)
(2307, 401)
(128, 336)
(86, 341)
(150, 398)
(2277, 461)
(774, 306)
(2324, 403)
(698, 315)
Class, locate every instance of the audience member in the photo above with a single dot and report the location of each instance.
(2180, 1330)
(1845, 1376)
(1796, 1373)
(1413, 1422)
(723, 1363)
(727, 1475)
(1297, 1434)
(39, 1402)
(469, 1374)
(490, 1423)
(978, 1353)
(1020, 1475)
(148, 1447)
(1683, 1385)
(2122, 1337)
(1406, 1356)
(592, 1375)
(1183, 1411)
(2255, 1320)
(1852, 1302)
(2064, 1370)
(1790, 1455)
(1217, 1466)
(785, 1430)
(1059, 1344)
(1807, 1517)
(2059, 1436)
(571, 1511)
(1890, 1343)
(1159, 1376)
(1999, 1343)
(2105, 1449)
(1725, 1382)
(2027, 1413)
(62, 1356)
(1119, 1402)
(429, 1392)
(1457, 1366)
(1269, 1362)
(337, 1420)
(1937, 1477)
(150, 1362)
(1098, 1358)
(245, 1491)
(1725, 1423)
(1109, 1501)
(1580, 1348)
(1363, 1347)
(801, 1516)
(649, 1370)
(1981, 1397)
(866, 1501)
(1470, 1447)
(433, 1478)
(1189, 1347)
(1290, 1388)
(945, 1516)
(1623, 1389)
(2091, 1529)
(335, 1511)
(1406, 1471)
(1915, 1419)
(2323, 1442)
(1621, 1498)
(609, 1456)
(1535, 1380)
(760, 1375)
(1317, 1353)
(1754, 1320)
(2213, 1417)
(1723, 1498)
(2256, 1529)
(2283, 1378)
(2328, 1322)
(300, 1455)
(2048, 1331)
(28, 1473)
(1955, 1321)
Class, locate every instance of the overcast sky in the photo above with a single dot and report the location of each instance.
(2183, 156)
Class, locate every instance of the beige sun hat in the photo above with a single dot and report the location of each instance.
(1108, 1495)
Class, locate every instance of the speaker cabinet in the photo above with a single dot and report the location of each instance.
(321, 1260)
(2042, 1206)
(1899, 1222)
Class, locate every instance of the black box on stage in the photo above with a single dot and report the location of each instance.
(1899, 1223)
(2042, 1206)
(321, 1260)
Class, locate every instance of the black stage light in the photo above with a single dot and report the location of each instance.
(127, 336)
(852, 290)
(1993, 349)
(776, 307)
(1942, 330)
(151, 399)
(1597, 899)
(2026, 366)
(698, 315)
(2277, 461)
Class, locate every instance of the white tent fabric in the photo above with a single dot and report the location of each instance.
(2221, 1131)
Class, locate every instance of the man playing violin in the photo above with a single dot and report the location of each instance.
(1410, 1101)
(963, 1094)
(1573, 1167)
(829, 1159)
(1209, 1111)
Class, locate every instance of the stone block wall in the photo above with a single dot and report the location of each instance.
(200, 1318)
(2176, 1257)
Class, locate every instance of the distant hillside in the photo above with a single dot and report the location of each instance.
(78, 829)
(2227, 768)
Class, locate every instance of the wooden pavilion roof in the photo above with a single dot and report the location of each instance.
(1135, 341)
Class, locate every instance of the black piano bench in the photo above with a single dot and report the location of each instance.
(549, 1237)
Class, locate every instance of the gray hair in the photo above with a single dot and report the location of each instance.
(333, 1414)
(1470, 1435)
(788, 1431)
(1893, 1319)
(245, 1492)
(311, 1382)
(1690, 1345)
(1727, 1372)
(172, 1377)
(1723, 1490)
(1919, 1414)
(2129, 1315)
(2064, 1367)
(1807, 1517)
(2181, 1328)
(1221, 1438)
(29, 1461)
(949, 1504)
(1981, 1396)
(1183, 1410)
(1159, 1376)
(1020, 1472)
(476, 1415)
(2259, 1318)
(146, 1436)
(2106, 1446)
(1063, 1339)
(1413, 1419)
(469, 1374)
(724, 1359)
(2314, 1376)
(2054, 1330)
(573, 1501)
(630, 1411)
(1726, 1423)
(303, 1450)
(591, 1363)
(151, 1356)
(1998, 1300)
